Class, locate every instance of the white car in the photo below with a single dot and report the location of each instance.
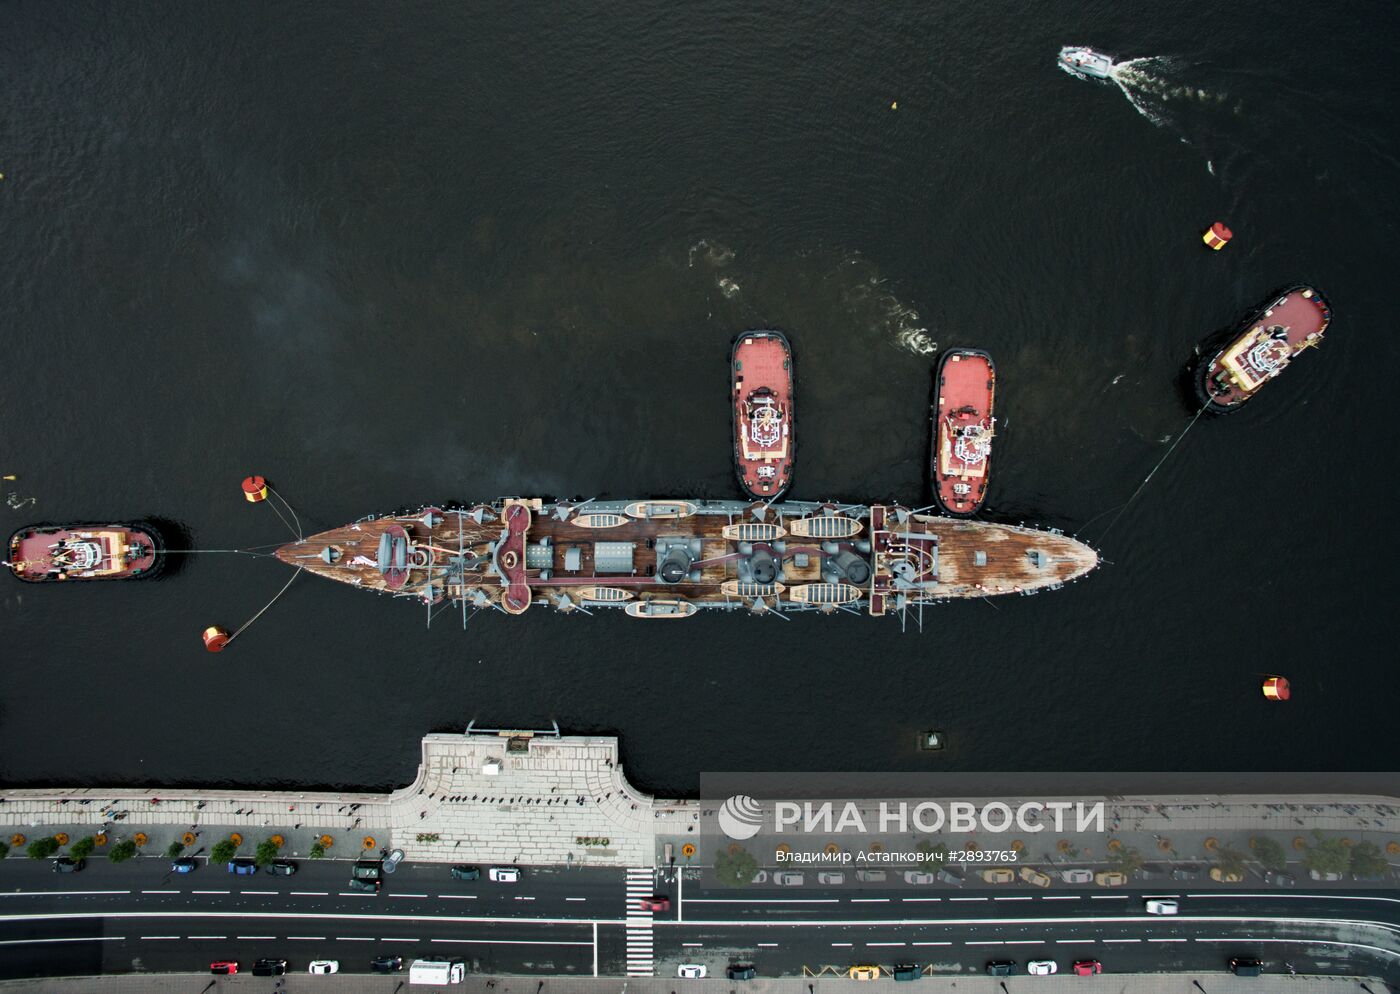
(918, 877)
(324, 966)
(831, 877)
(1041, 968)
(504, 874)
(788, 878)
(692, 971)
(761, 877)
(1316, 875)
(1161, 906)
(1082, 875)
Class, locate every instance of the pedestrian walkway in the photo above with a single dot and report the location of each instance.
(640, 884)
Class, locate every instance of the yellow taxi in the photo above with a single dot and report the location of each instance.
(1110, 878)
(1221, 876)
(868, 971)
(999, 875)
(1033, 876)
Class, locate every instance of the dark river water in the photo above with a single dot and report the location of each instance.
(386, 254)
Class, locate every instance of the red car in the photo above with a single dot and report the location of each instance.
(657, 902)
(223, 966)
(1087, 967)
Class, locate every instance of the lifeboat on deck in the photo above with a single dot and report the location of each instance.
(963, 427)
(761, 381)
(659, 608)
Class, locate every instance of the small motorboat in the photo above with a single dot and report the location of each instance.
(1086, 62)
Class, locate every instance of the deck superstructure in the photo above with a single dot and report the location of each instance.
(673, 558)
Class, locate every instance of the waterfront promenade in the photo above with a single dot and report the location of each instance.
(541, 799)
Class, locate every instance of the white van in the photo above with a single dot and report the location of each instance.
(435, 972)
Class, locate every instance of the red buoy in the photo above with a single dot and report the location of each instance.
(1218, 236)
(254, 489)
(215, 638)
(1276, 688)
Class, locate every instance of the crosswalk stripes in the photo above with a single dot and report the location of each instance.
(640, 884)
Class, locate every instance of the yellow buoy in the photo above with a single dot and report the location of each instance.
(894, 105)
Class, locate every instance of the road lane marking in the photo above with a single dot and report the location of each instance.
(93, 938)
(256, 938)
(60, 893)
(357, 893)
(516, 942)
(160, 892)
(1061, 897)
(883, 900)
(1071, 942)
(518, 898)
(984, 942)
(768, 945)
(693, 945)
(1025, 942)
(1013, 899)
(416, 895)
(1166, 940)
(1315, 942)
(576, 899)
(259, 893)
(840, 943)
(465, 897)
(207, 937)
(398, 940)
(208, 892)
(153, 938)
(932, 943)
(953, 899)
(310, 893)
(1122, 940)
(1108, 897)
(915, 900)
(884, 943)
(306, 938)
(763, 900)
(349, 938)
(1306, 897)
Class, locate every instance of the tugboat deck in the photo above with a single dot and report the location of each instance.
(1294, 321)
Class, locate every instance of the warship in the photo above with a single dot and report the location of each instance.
(672, 559)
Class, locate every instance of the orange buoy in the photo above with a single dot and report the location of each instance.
(1276, 688)
(215, 638)
(254, 489)
(1217, 237)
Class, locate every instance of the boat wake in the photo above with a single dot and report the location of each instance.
(1152, 85)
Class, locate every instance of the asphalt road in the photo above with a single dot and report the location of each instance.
(137, 916)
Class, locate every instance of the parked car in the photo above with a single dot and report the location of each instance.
(1001, 967)
(657, 902)
(1154, 871)
(1279, 878)
(242, 867)
(224, 967)
(1186, 871)
(999, 875)
(1316, 875)
(1087, 968)
(740, 971)
(392, 859)
(281, 868)
(364, 886)
(269, 967)
(951, 877)
(761, 877)
(466, 873)
(1222, 876)
(1246, 966)
(865, 971)
(1160, 906)
(366, 869)
(1078, 875)
(832, 877)
(871, 876)
(906, 971)
(918, 877)
(65, 864)
(504, 874)
(692, 971)
(1042, 968)
(183, 865)
(789, 878)
(321, 967)
(386, 964)
(1033, 876)
(1110, 878)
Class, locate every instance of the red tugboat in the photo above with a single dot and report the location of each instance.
(963, 427)
(761, 366)
(49, 553)
(1261, 348)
